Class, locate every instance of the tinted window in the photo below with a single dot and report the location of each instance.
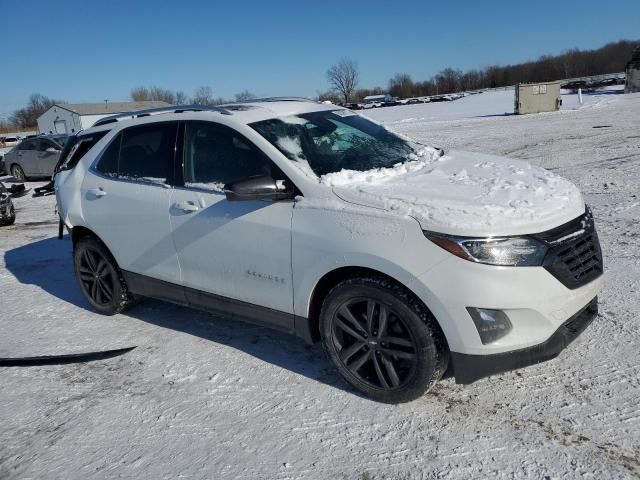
(140, 153)
(42, 145)
(108, 164)
(26, 145)
(215, 156)
(147, 152)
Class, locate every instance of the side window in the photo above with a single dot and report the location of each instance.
(140, 153)
(146, 153)
(26, 145)
(42, 145)
(108, 163)
(215, 156)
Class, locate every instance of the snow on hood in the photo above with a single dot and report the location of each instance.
(465, 193)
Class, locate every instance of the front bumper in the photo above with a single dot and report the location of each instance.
(469, 368)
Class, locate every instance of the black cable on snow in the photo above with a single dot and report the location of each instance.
(62, 359)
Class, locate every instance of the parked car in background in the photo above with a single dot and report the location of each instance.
(34, 157)
(8, 142)
(242, 203)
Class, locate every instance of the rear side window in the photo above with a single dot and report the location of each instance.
(141, 154)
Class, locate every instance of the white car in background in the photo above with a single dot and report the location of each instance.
(404, 262)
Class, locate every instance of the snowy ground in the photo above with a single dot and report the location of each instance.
(205, 397)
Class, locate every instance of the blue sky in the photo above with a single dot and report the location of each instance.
(84, 51)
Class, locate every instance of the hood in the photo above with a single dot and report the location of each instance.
(465, 193)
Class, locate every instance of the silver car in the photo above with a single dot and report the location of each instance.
(34, 157)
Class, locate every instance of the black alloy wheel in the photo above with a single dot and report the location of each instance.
(374, 343)
(96, 278)
(99, 277)
(382, 339)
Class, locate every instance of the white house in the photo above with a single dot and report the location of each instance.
(72, 117)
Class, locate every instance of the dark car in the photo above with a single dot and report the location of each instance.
(7, 211)
(35, 157)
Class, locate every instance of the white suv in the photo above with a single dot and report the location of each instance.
(406, 262)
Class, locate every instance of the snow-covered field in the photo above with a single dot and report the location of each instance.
(206, 397)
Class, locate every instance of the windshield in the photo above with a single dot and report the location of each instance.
(330, 141)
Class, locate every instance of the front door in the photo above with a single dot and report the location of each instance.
(235, 249)
(47, 157)
(127, 200)
(27, 155)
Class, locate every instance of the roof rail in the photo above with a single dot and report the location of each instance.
(156, 111)
(272, 99)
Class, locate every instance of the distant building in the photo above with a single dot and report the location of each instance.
(537, 97)
(632, 84)
(72, 117)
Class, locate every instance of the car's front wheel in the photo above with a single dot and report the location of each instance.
(99, 277)
(18, 173)
(382, 340)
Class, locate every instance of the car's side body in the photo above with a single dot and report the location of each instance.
(37, 156)
(274, 261)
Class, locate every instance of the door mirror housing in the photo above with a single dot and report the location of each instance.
(258, 188)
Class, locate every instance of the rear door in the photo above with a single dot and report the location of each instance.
(126, 200)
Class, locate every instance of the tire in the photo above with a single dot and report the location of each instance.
(9, 216)
(400, 362)
(18, 173)
(100, 279)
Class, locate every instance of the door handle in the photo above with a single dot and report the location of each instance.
(97, 192)
(187, 207)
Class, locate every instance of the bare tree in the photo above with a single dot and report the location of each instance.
(162, 95)
(401, 86)
(27, 117)
(146, 94)
(343, 78)
(203, 96)
(244, 95)
(140, 94)
(181, 98)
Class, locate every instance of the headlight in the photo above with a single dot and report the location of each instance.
(504, 251)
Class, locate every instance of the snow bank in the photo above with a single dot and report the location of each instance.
(465, 193)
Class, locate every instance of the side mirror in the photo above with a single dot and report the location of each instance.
(52, 150)
(258, 188)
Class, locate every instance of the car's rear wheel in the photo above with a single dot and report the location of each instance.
(382, 340)
(99, 277)
(18, 173)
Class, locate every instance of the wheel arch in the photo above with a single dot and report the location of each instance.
(78, 232)
(334, 277)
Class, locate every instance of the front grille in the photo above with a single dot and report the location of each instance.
(574, 256)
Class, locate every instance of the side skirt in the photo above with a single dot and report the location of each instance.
(209, 302)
